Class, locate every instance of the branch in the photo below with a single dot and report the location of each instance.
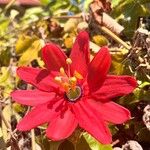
(115, 37)
(33, 140)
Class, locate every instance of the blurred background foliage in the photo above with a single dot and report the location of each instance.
(23, 31)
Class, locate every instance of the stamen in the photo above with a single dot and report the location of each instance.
(73, 79)
(78, 75)
(73, 82)
(69, 62)
(58, 79)
(68, 82)
(66, 87)
(62, 71)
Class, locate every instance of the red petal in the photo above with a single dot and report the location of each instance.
(32, 97)
(62, 127)
(41, 114)
(98, 69)
(41, 78)
(115, 86)
(110, 111)
(53, 57)
(92, 122)
(80, 53)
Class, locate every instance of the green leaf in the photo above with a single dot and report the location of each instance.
(86, 4)
(45, 2)
(144, 84)
(115, 2)
(4, 26)
(94, 144)
(117, 66)
(127, 13)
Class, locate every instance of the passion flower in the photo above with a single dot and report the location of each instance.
(73, 91)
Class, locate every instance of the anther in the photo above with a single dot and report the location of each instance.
(62, 71)
(68, 61)
(78, 75)
(58, 79)
(66, 86)
(73, 79)
(73, 82)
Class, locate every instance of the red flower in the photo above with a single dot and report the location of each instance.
(73, 91)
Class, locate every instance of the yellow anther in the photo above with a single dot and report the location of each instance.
(68, 61)
(66, 86)
(73, 79)
(78, 75)
(62, 71)
(73, 82)
(58, 79)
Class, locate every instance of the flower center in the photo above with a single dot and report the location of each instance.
(74, 95)
(69, 83)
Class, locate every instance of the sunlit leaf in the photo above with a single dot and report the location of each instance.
(45, 2)
(68, 42)
(24, 42)
(7, 112)
(71, 25)
(127, 13)
(94, 144)
(4, 26)
(144, 84)
(118, 65)
(31, 53)
(100, 40)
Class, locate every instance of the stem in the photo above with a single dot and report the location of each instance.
(9, 5)
(115, 142)
(67, 17)
(104, 29)
(115, 37)
(33, 140)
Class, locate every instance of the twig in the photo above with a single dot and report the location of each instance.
(67, 17)
(9, 5)
(103, 28)
(115, 37)
(115, 142)
(33, 140)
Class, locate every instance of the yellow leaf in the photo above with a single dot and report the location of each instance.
(31, 53)
(71, 25)
(68, 42)
(5, 75)
(24, 42)
(7, 114)
(100, 40)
